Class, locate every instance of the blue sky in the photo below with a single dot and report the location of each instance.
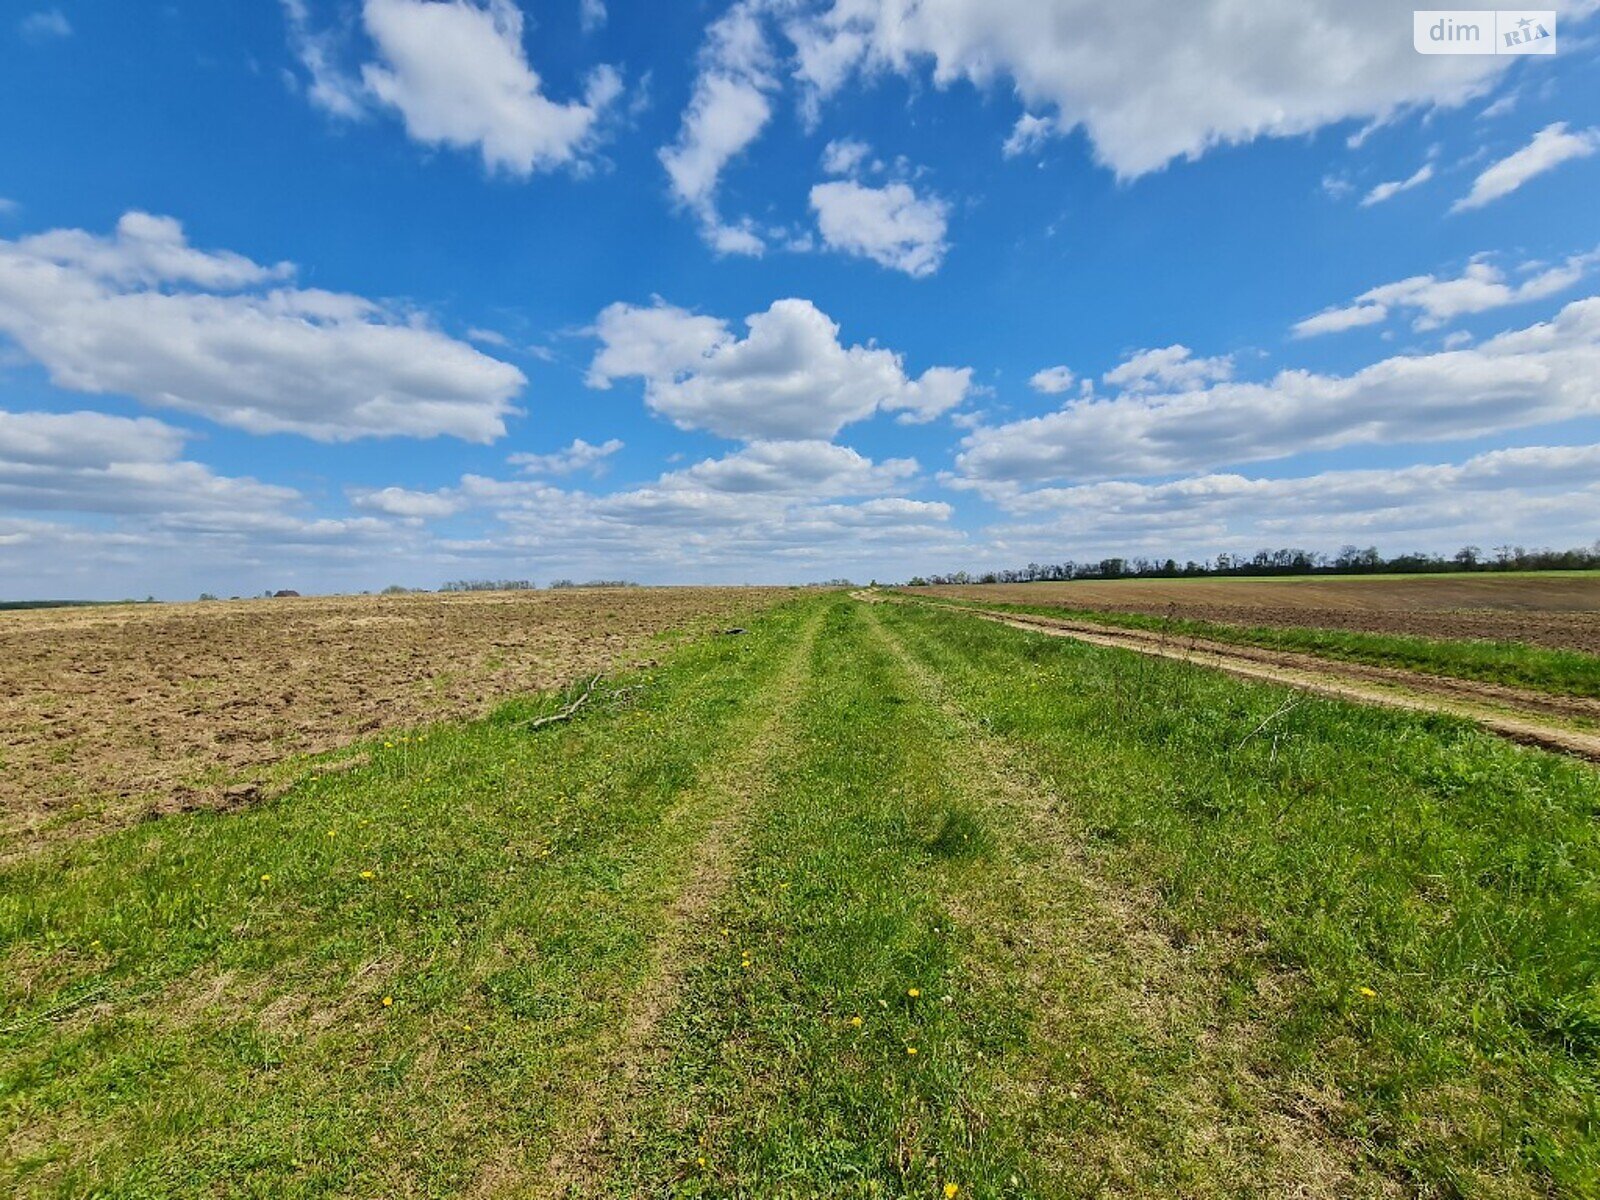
(333, 294)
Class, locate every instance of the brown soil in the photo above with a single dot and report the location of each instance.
(1558, 611)
(110, 713)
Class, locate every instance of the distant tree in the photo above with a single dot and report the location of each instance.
(207, 596)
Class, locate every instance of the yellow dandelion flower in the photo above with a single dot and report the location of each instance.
(700, 1161)
(913, 992)
(388, 745)
(911, 1049)
(266, 879)
(950, 1190)
(1368, 993)
(855, 1022)
(368, 874)
(388, 1001)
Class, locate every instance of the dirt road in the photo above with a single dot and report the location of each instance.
(1532, 718)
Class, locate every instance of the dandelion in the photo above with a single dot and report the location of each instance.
(368, 874)
(388, 745)
(911, 1049)
(855, 1022)
(701, 1161)
(950, 1190)
(266, 879)
(913, 992)
(388, 1001)
(1369, 993)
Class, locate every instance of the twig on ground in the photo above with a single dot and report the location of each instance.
(1288, 707)
(566, 713)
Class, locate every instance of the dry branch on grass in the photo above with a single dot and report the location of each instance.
(564, 714)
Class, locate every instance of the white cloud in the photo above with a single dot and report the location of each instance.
(144, 314)
(728, 110)
(1393, 187)
(1052, 381)
(891, 225)
(1027, 135)
(458, 75)
(1535, 376)
(45, 25)
(332, 88)
(1480, 288)
(87, 462)
(1149, 81)
(844, 156)
(579, 456)
(1544, 491)
(1337, 320)
(591, 14)
(1170, 367)
(799, 468)
(405, 503)
(791, 378)
(1550, 147)
(489, 337)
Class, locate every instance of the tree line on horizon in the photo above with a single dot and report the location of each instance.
(1350, 560)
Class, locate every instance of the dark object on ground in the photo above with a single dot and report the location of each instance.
(734, 632)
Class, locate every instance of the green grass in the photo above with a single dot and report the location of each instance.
(1516, 664)
(1139, 938)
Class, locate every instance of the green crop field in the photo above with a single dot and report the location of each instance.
(871, 900)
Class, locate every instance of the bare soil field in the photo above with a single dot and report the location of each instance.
(110, 713)
(1557, 610)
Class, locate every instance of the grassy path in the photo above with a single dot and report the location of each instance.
(406, 980)
(874, 901)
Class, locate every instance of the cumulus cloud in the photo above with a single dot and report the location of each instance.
(1027, 135)
(769, 510)
(405, 503)
(1550, 147)
(88, 462)
(1393, 187)
(800, 468)
(844, 156)
(579, 456)
(790, 378)
(728, 110)
(1169, 367)
(591, 14)
(1480, 288)
(144, 314)
(1534, 376)
(1052, 381)
(1147, 81)
(1501, 495)
(891, 225)
(458, 75)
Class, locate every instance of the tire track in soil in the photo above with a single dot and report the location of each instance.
(1094, 952)
(728, 792)
(1389, 687)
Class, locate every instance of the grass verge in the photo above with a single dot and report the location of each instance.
(1514, 664)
